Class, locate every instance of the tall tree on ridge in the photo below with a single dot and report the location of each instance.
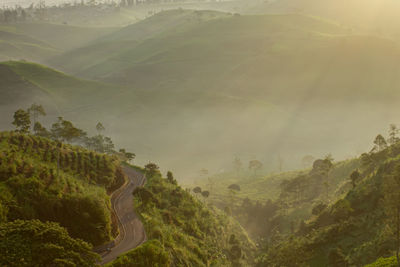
(380, 143)
(22, 121)
(393, 131)
(100, 128)
(35, 111)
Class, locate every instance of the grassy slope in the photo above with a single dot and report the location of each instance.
(55, 83)
(14, 45)
(256, 188)
(261, 190)
(264, 187)
(39, 41)
(189, 232)
(374, 16)
(58, 92)
(253, 52)
(104, 48)
(14, 89)
(77, 198)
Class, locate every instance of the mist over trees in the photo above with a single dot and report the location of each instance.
(246, 108)
(64, 131)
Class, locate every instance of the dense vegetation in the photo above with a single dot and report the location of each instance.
(72, 192)
(356, 229)
(34, 243)
(183, 231)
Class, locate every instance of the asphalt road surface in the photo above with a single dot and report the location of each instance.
(131, 228)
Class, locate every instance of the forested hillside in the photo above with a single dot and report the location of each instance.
(264, 109)
(183, 230)
(282, 201)
(353, 230)
(73, 193)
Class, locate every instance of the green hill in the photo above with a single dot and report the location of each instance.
(15, 89)
(86, 101)
(228, 53)
(24, 83)
(40, 41)
(75, 195)
(278, 201)
(357, 229)
(298, 84)
(208, 77)
(58, 85)
(183, 231)
(125, 39)
(14, 45)
(264, 187)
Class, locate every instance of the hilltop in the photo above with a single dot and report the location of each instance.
(106, 47)
(40, 41)
(217, 52)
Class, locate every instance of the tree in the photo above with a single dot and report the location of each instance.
(35, 243)
(380, 143)
(197, 190)
(129, 156)
(235, 187)
(205, 194)
(40, 130)
(393, 131)
(170, 178)
(355, 175)
(255, 165)
(307, 161)
(35, 111)
(237, 164)
(22, 121)
(65, 131)
(100, 128)
(100, 143)
(151, 168)
(329, 158)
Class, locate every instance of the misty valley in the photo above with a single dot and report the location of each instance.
(200, 133)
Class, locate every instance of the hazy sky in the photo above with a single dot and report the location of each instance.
(28, 2)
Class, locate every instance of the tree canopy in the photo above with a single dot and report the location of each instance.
(34, 243)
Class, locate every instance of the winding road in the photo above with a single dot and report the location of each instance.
(131, 230)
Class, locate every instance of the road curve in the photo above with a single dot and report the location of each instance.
(131, 229)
